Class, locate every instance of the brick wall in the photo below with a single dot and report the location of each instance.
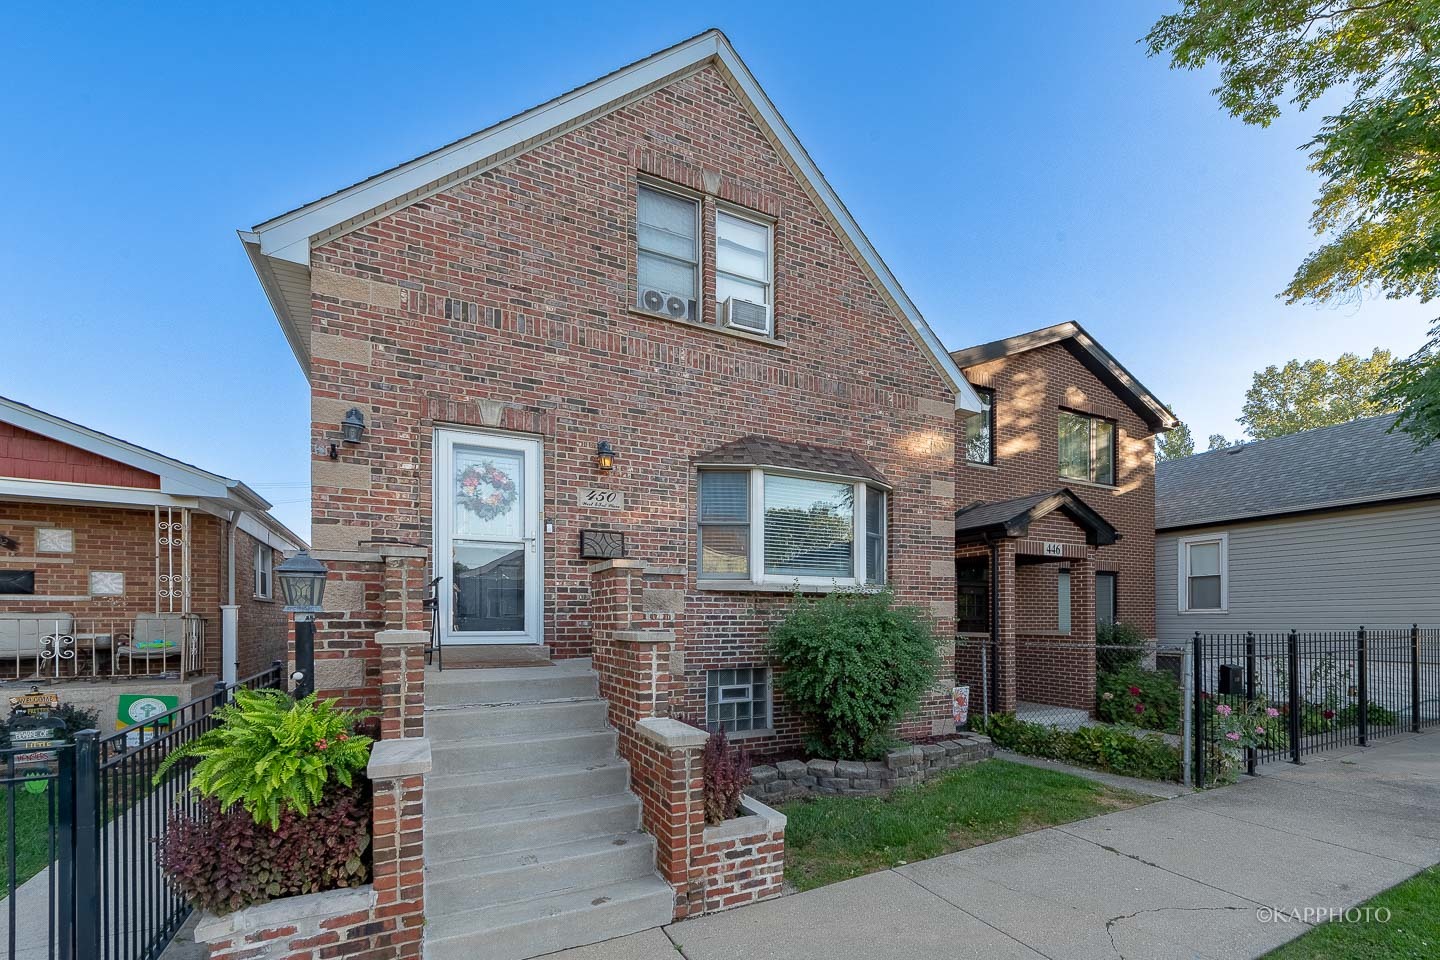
(742, 860)
(112, 539)
(504, 303)
(1030, 389)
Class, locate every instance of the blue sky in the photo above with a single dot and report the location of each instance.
(1016, 164)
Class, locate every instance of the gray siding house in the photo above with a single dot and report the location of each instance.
(1329, 529)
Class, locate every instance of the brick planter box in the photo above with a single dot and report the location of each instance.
(293, 927)
(742, 860)
(902, 767)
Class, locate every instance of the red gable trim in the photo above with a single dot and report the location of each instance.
(29, 456)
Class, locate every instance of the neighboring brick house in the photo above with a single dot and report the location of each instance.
(628, 372)
(1055, 490)
(115, 571)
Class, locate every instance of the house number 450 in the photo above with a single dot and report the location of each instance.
(601, 499)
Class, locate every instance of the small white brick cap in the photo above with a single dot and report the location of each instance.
(387, 638)
(755, 818)
(399, 758)
(670, 734)
(284, 912)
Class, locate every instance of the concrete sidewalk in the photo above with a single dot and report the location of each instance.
(1180, 878)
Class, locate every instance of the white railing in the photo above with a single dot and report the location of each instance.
(60, 646)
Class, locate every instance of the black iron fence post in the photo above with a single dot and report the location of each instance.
(1415, 678)
(1360, 653)
(1297, 726)
(1199, 708)
(65, 854)
(277, 667)
(87, 844)
(1250, 757)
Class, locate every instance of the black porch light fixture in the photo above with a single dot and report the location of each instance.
(302, 580)
(352, 428)
(604, 456)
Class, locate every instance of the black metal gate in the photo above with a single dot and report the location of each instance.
(1311, 691)
(81, 828)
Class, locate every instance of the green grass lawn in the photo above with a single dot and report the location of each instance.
(829, 839)
(32, 836)
(1411, 933)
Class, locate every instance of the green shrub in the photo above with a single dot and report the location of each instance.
(273, 755)
(1126, 646)
(1112, 749)
(1146, 698)
(852, 663)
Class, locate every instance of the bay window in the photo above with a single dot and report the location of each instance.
(769, 526)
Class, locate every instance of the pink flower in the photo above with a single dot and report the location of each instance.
(1260, 730)
(1139, 708)
(1232, 735)
(343, 737)
(1271, 712)
(321, 744)
(1328, 714)
(1223, 709)
(1134, 691)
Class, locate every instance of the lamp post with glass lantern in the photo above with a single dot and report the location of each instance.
(302, 579)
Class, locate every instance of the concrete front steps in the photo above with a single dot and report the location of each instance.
(532, 838)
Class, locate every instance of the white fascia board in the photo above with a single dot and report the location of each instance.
(91, 494)
(256, 527)
(176, 478)
(287, 237)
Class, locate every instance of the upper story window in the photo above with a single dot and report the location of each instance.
(742, 272)
(1203, 576)
(980, 430)
(667, 255)
(1087, 448)
(767, 526)
(264, 571)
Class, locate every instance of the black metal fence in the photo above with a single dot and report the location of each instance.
(84, 879)
(1301, 693)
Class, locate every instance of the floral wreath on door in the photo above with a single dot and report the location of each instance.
(487, 506)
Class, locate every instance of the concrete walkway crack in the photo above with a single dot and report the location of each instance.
(940, 896)
(1110, 924)
(674, 943)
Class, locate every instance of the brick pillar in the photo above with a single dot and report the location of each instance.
(668, 777)
(402, 683)
(1004, 586)
(397, 776)
(406, 571)
(1082, 629)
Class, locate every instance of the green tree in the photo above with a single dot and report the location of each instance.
(1379, 204)
(1218, 442)
(1175, 444)
(1305, 394)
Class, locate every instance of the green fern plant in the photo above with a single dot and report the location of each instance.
(271, 754)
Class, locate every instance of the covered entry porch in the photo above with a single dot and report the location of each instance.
(1026, 603)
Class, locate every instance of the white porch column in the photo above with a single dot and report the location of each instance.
(229, 642)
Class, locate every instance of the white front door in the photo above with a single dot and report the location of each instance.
(487, 537)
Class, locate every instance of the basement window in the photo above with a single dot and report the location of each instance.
(738, 700)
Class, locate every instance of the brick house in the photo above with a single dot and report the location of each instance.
(126, 571)
(1055, 496)
(629, 373)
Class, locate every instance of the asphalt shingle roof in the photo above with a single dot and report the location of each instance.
(758, 451)
(1353, 463)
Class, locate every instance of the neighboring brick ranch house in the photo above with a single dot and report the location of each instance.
(125, 571)
(628, 372)
(1055, 489)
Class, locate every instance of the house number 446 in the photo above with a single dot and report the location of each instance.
(601, 499)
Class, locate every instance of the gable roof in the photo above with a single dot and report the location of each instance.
(181, 483)
(754, 451)
(279, 248)
(1089, 352)
(1350, 465)
(1012, 518)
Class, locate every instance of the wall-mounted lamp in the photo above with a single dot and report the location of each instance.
(353, 426)
(604, 456)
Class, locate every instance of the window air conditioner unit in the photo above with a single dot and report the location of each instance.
(747, 316)
(658, 301)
